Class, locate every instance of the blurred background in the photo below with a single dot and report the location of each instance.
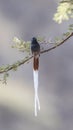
(25, 19)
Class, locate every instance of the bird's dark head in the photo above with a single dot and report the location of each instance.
(34, 40)
(35, 47)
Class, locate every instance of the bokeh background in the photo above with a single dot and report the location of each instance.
(25, 19)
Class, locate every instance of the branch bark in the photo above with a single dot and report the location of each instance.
(19, 63)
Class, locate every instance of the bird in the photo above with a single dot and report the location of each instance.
(35, 49)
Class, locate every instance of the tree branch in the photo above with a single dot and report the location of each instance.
(26, 59)
(49, 49)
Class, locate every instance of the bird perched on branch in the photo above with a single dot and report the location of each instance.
(35, 49)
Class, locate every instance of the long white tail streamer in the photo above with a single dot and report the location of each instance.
(36, 98)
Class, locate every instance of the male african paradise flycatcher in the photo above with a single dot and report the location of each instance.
(35, 49)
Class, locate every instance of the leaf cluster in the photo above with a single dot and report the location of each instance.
(64, 11)
(21, 45)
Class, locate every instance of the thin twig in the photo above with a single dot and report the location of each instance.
(49, 49)
(19, 63)
(11, 67)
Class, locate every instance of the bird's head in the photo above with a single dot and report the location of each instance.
(34, 40)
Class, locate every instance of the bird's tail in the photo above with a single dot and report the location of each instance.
(35, 76)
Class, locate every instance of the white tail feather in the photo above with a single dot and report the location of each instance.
(37, 103)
